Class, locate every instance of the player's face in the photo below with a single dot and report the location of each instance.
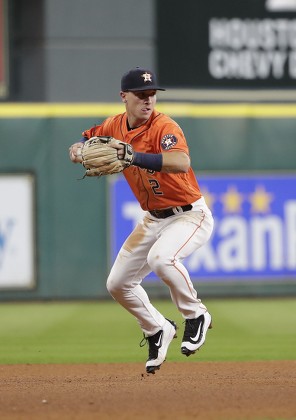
(139, 104)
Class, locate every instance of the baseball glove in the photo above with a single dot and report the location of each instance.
(100, 156)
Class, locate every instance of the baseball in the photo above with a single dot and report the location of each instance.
(78, 152)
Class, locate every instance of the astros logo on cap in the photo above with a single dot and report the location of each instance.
(147, 77)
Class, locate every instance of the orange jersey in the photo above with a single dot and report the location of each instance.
(160, 134)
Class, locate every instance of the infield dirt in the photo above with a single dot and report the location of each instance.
(189, 390)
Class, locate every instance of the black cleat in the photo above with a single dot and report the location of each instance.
(195, 333)
(158, 346)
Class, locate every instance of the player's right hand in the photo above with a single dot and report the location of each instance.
(75, 152)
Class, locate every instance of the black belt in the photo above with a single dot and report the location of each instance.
(163, 214)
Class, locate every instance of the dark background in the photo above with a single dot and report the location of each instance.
(183, 41)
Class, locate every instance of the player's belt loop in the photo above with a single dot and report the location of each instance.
(177, 210)
(163, 214)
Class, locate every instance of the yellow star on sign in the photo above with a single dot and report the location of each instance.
(260, 200)
(232, 200)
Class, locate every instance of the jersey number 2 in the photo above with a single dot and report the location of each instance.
(155, 187)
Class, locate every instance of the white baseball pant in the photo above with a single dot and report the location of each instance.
(160, 245)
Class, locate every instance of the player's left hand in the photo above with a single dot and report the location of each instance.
(125, 151)
(104, 155)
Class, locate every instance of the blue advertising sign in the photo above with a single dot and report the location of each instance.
(255, 226)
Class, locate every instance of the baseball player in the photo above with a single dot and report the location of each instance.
(176, 223)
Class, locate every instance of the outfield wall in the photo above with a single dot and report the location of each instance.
(70, 223)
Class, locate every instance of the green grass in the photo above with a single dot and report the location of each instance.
(94, 332)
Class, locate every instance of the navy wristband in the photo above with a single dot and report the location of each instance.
(148, 161)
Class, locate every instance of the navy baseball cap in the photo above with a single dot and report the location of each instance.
(139, 79)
